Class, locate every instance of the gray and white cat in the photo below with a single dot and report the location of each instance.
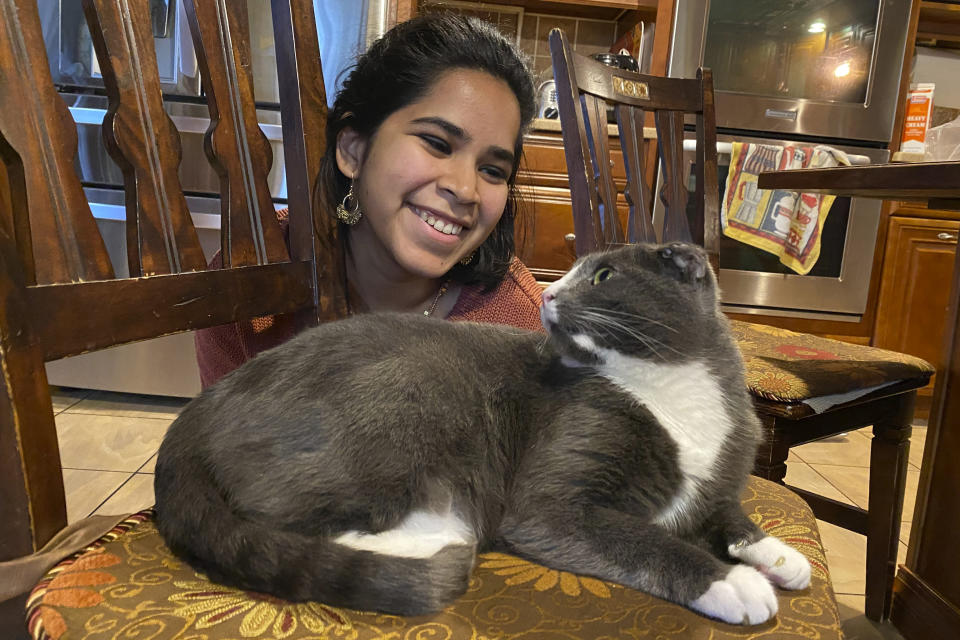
(365, 462)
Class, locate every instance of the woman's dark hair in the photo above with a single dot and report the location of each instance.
(399, 69)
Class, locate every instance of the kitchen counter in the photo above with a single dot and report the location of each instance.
(544, 124)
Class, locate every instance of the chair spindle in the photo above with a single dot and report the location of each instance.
(143, 141)
(56, 236)
(235, 145)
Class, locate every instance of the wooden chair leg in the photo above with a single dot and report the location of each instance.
(771, 461)
(889, 455)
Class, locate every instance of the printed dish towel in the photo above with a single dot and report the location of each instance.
(785, 223)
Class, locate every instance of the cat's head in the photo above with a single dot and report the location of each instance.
(656, 302)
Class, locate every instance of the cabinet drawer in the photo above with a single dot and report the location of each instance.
(544, 163)
(545, 243)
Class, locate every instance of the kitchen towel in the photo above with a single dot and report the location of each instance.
(785, 223)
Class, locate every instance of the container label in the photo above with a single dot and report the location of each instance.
(917, 119)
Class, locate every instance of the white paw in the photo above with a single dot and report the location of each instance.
(743, 597)
(780, 562)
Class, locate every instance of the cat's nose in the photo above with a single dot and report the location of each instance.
(547, 297)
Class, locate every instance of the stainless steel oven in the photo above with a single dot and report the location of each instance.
(827, 68)
(74, 64)
(753, 281)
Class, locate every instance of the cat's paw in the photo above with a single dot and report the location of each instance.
(690, 261)
(744, 596)
(784, 565)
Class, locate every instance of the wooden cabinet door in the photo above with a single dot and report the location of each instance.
(915, 288)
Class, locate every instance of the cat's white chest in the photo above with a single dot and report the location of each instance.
(687, 401)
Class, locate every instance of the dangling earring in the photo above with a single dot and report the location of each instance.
(348, 211)
(468, 259)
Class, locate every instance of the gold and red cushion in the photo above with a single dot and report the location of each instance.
(786, 366)
(129, 585)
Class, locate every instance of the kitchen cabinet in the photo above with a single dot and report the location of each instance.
(915, 284)
(545, 237)
(939, 22)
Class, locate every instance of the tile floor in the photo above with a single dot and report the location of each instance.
(108, 445)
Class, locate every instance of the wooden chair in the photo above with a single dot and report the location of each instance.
(57, 285)
(785, 381)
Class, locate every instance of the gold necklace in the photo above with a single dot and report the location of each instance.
(436, 299)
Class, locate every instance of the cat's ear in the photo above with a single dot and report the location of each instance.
(687, 261)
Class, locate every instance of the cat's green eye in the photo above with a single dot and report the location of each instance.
(601, 275)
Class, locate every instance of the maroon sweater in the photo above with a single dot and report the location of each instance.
(515, 301)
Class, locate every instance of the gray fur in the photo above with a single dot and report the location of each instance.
(354, 424)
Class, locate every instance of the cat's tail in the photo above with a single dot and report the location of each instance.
(200, 527)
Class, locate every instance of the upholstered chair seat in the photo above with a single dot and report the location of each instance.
(129, 585)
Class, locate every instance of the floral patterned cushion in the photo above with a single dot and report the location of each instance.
(129, 585)
(792, 367)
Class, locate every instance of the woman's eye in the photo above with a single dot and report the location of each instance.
(494, 172)
(436, 143)
(601, 275)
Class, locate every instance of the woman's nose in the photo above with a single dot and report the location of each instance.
(460, 180)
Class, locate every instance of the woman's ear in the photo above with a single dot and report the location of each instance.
(350, 149)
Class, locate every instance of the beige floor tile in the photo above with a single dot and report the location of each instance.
(107, 443)
(851, 450)
(856, 626)
(846, 556)
(850, 605)
(854, 482)
(150, 466)
(130, 405)
(85, 490)
(917, 440)
(135, 495)
(64, 397)
(802, 476)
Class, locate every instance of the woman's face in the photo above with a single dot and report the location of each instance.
(432, 180)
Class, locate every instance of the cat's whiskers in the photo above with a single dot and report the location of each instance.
(599, 320)
(627, 314)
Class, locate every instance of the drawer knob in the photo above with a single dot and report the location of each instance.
(570, 237)
(943, 235)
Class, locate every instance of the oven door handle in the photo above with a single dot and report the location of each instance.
(184, 124)
(726, 148)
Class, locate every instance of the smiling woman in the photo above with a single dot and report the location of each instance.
(423, 144)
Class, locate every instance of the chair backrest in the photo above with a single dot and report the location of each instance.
(585, 91)
(58, 292)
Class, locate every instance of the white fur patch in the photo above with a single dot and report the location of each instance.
(687, 401)
(743, 597)
(420, 535)
(548, 311)
(777, 560)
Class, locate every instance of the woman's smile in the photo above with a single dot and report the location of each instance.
(437, 221)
